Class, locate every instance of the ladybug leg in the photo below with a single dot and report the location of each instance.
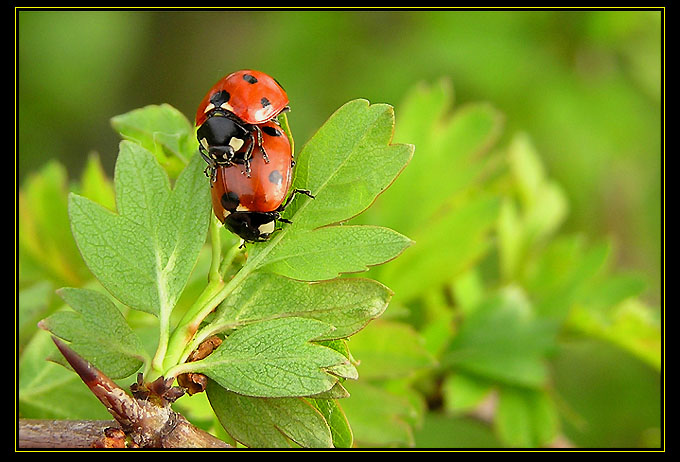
(210, 170)
(290, 198)
(248, 155)
(260, 142)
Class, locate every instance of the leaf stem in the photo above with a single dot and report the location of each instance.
(159, 357)
(216, 245)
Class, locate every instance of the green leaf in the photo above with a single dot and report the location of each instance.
(144, 254)
(326, 252)
(503, 340)
(347, 163)
(346, 304)
(452, 152)
(162, 130)
(388, 350)
(95, 185)
(337, 421)
(446, 247)
(269, 422)
(46, 247)
(631, 326)
(98, 332)
(273, 359)
(462, 392)
(379, 418)
(526, 418)
(541, 209)
(50, 391)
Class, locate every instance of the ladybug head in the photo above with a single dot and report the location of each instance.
(220, 138)
(252, 226)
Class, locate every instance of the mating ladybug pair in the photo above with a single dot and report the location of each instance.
(250, 159)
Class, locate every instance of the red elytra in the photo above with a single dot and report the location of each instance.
(268, 184)
(252, 96)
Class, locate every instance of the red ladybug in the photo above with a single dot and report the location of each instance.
(230, 115)
(249, 206)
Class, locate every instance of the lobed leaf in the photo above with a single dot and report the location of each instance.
(144, 254)
(326, 252)
(98, 332)
(274, 359)
(346, 304)
(347, 163)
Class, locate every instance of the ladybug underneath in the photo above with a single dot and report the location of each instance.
(249, 206)
(230, 116)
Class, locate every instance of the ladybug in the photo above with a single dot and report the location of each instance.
(230, 115)
(249, 206)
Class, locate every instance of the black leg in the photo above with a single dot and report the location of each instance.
(260, 143)
(249, 155)
(292, 195)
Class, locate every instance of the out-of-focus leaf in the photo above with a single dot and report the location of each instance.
(50, 391)
(97, 331)
(378, 418)
(46, 247)
(95, 185)
(389, 349)
(451, 154)
(630, 326)
(446, 247)
(526, 418)
(463, 392)
(33, 306)
(503, 340)
(164, 131)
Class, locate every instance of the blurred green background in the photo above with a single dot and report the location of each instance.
(584, 85)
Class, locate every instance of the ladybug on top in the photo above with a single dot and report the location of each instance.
(231, 114)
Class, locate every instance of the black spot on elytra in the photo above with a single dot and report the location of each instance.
(271, 131)
(265, 102)
(220, 98)
(249, 78)
(275, 177)
(230, 200)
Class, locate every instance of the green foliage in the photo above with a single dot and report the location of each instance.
(283, 337)
(487, 294)
(475, 349)
(97, 330)
(144, 254)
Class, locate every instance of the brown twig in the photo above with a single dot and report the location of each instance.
(143, 420)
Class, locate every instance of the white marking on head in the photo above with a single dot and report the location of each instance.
(236, 143)
(227, 107)
(266, 228)
(242, 208)
(209, 108)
